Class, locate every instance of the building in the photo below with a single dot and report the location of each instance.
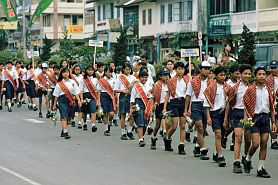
(89, 19)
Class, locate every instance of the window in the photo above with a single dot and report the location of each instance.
(109, 11)
(46, 20)
(149, 16)
(103, 12)
(89, 17)
(144, 17)
(67, 20)
(98, 13)
(162, 14)
(245, 5)
(74, 20)
(219, 7)
(183, 11)
(170, 13)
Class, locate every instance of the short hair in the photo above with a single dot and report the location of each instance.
(144, 56)
(177, 53)
(100, 64)
(258, 69)
(219, 69)
(18, 62)
(125, 65)
(179, 64)
(143, 73)
(244, 67)
(233, 69)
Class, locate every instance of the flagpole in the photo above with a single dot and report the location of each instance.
(24, 29)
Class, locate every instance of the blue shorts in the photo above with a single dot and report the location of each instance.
(262, 123)
(177, 106)
(124, 103)
(236, 116)
(106, 102)
(20, 88)
(64, 107)
(30, 89)
(198, 112)
(9, 93)
(42, 93)
(139, 116)
(89, 107)
(217, 119)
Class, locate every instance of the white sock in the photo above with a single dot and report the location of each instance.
(93, 124)
(9, 105)
(34, 105)
(261, 164)
(129, 129)
(232, 144)
(197, 145)
(65, 130)
(123, 131)
(30, 104)
(248, 157)
(237, 160)
(202, 149)
(141, 139)
(164, 131)
(195, 133)
(243, 155)
(187, 129)
(274, 140)
(105, 127)
(181, 143)
(79, 122)
(220, 155)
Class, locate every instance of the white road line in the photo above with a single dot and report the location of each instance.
(34, 121)
(25, 179)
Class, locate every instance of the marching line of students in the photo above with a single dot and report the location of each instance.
(209, 101)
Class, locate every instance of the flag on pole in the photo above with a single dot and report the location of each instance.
(9, 10)
(44, 4)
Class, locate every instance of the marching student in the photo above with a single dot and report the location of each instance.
(21, 89)
(65, 92)
(170, 67)
(141, 97)
(124, 85)
(9, 83)
(100, 70)
(29, 79)
(42, 89)
(259, 106)
(215, 104)
(90, 96)
(64, 64)
(53, 75)
(1, 94)
(235, 104)
(177, 88)
(195, 96)
(106, 98)
(159, 92)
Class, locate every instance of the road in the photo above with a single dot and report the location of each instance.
(32, 153)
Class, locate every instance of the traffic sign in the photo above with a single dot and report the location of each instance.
(193, 52)
(96, 43)
(200, 35)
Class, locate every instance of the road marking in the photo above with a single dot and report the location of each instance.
(25, 179)
(34, 121)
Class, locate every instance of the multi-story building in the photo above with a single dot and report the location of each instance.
(89, 18)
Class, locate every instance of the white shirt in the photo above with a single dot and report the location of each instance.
(83, 87)
(212, 60)
(70, 84)
(173, 73)
(163, 93)
(37, 71)
(220, 101)
(111, 81)
(28, 75)
(39, 83)
(239, 96)
(231, 83)
(12, 72)
(262, 101)
(120, 86)
(135, 94)
(201, 97)
(79, 79)
(180, 89)
(275, 84)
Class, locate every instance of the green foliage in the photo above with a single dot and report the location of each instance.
(3, 40)
(66, 46)
(121, 49)
(246, 54)
(55, 58)
(107, 60)
(228, 65)
(5, 55)
(46, 49)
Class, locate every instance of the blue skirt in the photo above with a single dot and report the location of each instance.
(106, 103)
(64, 107)
(139, 116)
(89, 107)
(124, 103)
(30, 89)
(20, 88)
(9, 93)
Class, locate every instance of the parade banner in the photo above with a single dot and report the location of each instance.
(43, 5)
(9, 10)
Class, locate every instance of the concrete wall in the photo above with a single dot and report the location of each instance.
(238, 19)
(265, 4)
(268, 19)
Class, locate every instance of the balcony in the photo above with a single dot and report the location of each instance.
(70, 8)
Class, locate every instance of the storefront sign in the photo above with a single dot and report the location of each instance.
(75, 29)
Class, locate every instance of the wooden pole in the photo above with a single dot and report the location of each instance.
(190, 68)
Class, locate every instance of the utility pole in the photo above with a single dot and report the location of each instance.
(24, 29)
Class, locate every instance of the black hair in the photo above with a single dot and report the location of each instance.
(144, 56)
(63, 70)
(107, 68)
(258, 69)
(100, 64)
(195, 72)
(143, 73)
(125, 65)
(73, 70)
(219, 69)
(86, 74)
(18, 62)
(177, 53)
(51, 63)
(233, 69)
(227, 44)
(62, 63)
(29, 65)
(179, 64)
(9, 62)
(244, 67)
(56, 67)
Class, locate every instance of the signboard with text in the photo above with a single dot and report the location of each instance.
(96, 43)
(193, 52)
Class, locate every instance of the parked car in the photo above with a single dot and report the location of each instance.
(265, 53)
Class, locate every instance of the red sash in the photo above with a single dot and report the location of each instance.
(210, 92)
(67, 92)
(145, 100)
(107, 87)
(156, 91)
(43, 80)
(269, 81)
(52, 78)
(33, 75)
(172, 84)
(73, 77)
(10, 78)
(91, 88)
(124, 81)
(232, 94)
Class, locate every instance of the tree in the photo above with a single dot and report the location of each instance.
(46, 49)
(66, 46)
(246, 54)
(121, 49)
(3, 40)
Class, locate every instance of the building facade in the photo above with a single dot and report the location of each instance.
(89, 19)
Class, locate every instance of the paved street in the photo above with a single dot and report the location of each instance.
(31, 152)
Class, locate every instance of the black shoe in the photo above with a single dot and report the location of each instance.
(204, 155)
(224, 142)
(274, 145)
(18, 105)
(150, 130)
(243, 160)
(94, 128)
(35, 108)
(79, 126)
(62, 134)
(30, 107)
(181, 149)
(161, 133)
(167, 144)
(221, 162)
(232, 147)
(12, 104)
(110, 123)
(247, 166)
(23, 102)
(67, 136)
(195, 140)
(10, 110)
(197, 152)
(85, 127)
(187, 137)
(1, 107)
(153, 143)
(262, 173)
(215, 157)
(142, 143)
(130, 135)
(237, 167)
(123, 137)
(48, 115)
(107, 133)
(40, 115)
(115, 122)
(73, 124)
